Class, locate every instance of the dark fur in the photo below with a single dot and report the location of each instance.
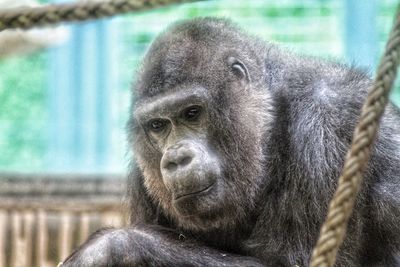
(282, 138)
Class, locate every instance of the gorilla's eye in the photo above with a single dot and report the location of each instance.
(157, 125)
(191, 113)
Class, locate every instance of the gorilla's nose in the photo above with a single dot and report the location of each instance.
(176, 159)
(178, 162)
(188, 168)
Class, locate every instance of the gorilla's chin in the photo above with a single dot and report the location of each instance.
(196, 203)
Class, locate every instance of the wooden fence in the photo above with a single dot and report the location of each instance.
(43, 218)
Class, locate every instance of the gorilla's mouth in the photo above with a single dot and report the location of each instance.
(185, 195)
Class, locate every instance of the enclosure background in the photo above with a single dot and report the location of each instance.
(64, 109)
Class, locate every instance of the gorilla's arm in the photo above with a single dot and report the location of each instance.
(149, 245)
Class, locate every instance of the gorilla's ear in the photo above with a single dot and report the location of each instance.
(238, 68)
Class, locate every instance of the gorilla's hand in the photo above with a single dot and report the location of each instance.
(106, 247)
(147, 245)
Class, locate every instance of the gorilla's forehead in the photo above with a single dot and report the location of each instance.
(188, 54)
(164, 103)
(174, 66)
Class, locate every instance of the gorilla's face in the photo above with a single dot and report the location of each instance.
(201, 153)
(176, 125)
(199, 121)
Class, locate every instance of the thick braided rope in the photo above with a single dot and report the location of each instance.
(25, 18)
(341, 205)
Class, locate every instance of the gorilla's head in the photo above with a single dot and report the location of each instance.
(199, 117)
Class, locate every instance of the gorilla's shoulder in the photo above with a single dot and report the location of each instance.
(326, 82)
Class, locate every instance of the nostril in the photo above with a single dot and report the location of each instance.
(172, 166)
(185, 161)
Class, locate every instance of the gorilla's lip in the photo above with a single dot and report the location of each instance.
(195, 192)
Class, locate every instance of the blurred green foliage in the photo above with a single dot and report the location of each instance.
(22, 111)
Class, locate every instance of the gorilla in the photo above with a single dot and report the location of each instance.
(238, 146)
